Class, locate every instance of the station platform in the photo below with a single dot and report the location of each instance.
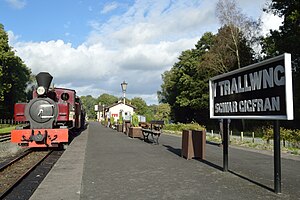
(102, 163)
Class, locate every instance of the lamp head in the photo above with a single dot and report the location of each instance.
(124, 86)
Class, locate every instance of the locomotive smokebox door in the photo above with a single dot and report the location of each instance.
(41, 113)
(44, 79)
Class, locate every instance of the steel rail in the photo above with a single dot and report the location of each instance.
(15, 183)
(15, 160)
(5, 137)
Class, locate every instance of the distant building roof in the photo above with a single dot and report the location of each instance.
(120, 103)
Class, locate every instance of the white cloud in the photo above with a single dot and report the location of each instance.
(17, 4)
(12, 37)
(151, 22)
(137, 46)
(92, 69)
(109, 7)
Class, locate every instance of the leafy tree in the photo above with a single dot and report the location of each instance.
(89, 103)
(222, 56)
(14, 76)
(150, 112)
(140, 104)
(163, 111)
(185, 86)
(107, 99)
(286, 39)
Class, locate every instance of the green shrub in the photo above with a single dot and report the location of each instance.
(120, 120)
(5, 125)
(7, 129)
(268, 133)
(181, 126)
(112, 121)
(291, 136)
(134, 120)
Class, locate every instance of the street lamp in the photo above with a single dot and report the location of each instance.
(124, 87)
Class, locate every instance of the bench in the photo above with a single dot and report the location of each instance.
(154, 130)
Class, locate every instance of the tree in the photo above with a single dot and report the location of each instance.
(151, 109)
(221, 56)
(185, 86)
(163, 111)
(106, 99)
(14, 76)
(286, 39)
(240, 27)
(89, 103)
(140, 104)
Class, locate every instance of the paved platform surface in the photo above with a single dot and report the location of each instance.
(104, 164)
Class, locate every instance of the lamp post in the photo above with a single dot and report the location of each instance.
(124, 87)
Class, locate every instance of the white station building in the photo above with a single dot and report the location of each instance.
(114, 110)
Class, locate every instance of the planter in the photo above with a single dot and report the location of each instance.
(135, 132)
(193, 144)
(120, 127)
(126, 127)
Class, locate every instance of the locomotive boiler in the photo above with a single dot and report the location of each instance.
(50, 115)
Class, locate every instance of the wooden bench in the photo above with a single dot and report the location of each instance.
(154, 130)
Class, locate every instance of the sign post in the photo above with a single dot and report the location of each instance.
(225, 145)
(259, 91)
(277, 158)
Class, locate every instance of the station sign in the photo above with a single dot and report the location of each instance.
(259, 91)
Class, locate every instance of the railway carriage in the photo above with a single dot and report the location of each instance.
(50, 114)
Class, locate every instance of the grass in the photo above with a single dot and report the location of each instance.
(6, 129)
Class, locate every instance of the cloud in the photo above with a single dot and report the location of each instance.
(137, 46)
(12, 37)
(109, 7)
(17, 4)
(94, 69)
(151, 22)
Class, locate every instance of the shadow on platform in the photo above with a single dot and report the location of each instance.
(177, 151)
(252, 181)
(173, 150)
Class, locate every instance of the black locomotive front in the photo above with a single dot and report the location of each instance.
(41, 112)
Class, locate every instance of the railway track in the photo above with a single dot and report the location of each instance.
(12, 173)
(4, 137)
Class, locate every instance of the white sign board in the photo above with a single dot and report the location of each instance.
(259, 91)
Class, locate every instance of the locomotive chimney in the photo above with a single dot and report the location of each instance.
(44, 79)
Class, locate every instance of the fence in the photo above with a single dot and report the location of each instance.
(252, 137)
(10, 121)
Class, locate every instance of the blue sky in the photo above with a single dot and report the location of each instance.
(93, 45)
(68, 20)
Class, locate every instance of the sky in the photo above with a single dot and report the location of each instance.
(92, 46)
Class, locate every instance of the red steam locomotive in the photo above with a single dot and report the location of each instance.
(50, 114)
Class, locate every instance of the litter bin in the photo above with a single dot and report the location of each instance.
(193, 144)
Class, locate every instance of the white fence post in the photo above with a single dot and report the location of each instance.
(242, 136)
